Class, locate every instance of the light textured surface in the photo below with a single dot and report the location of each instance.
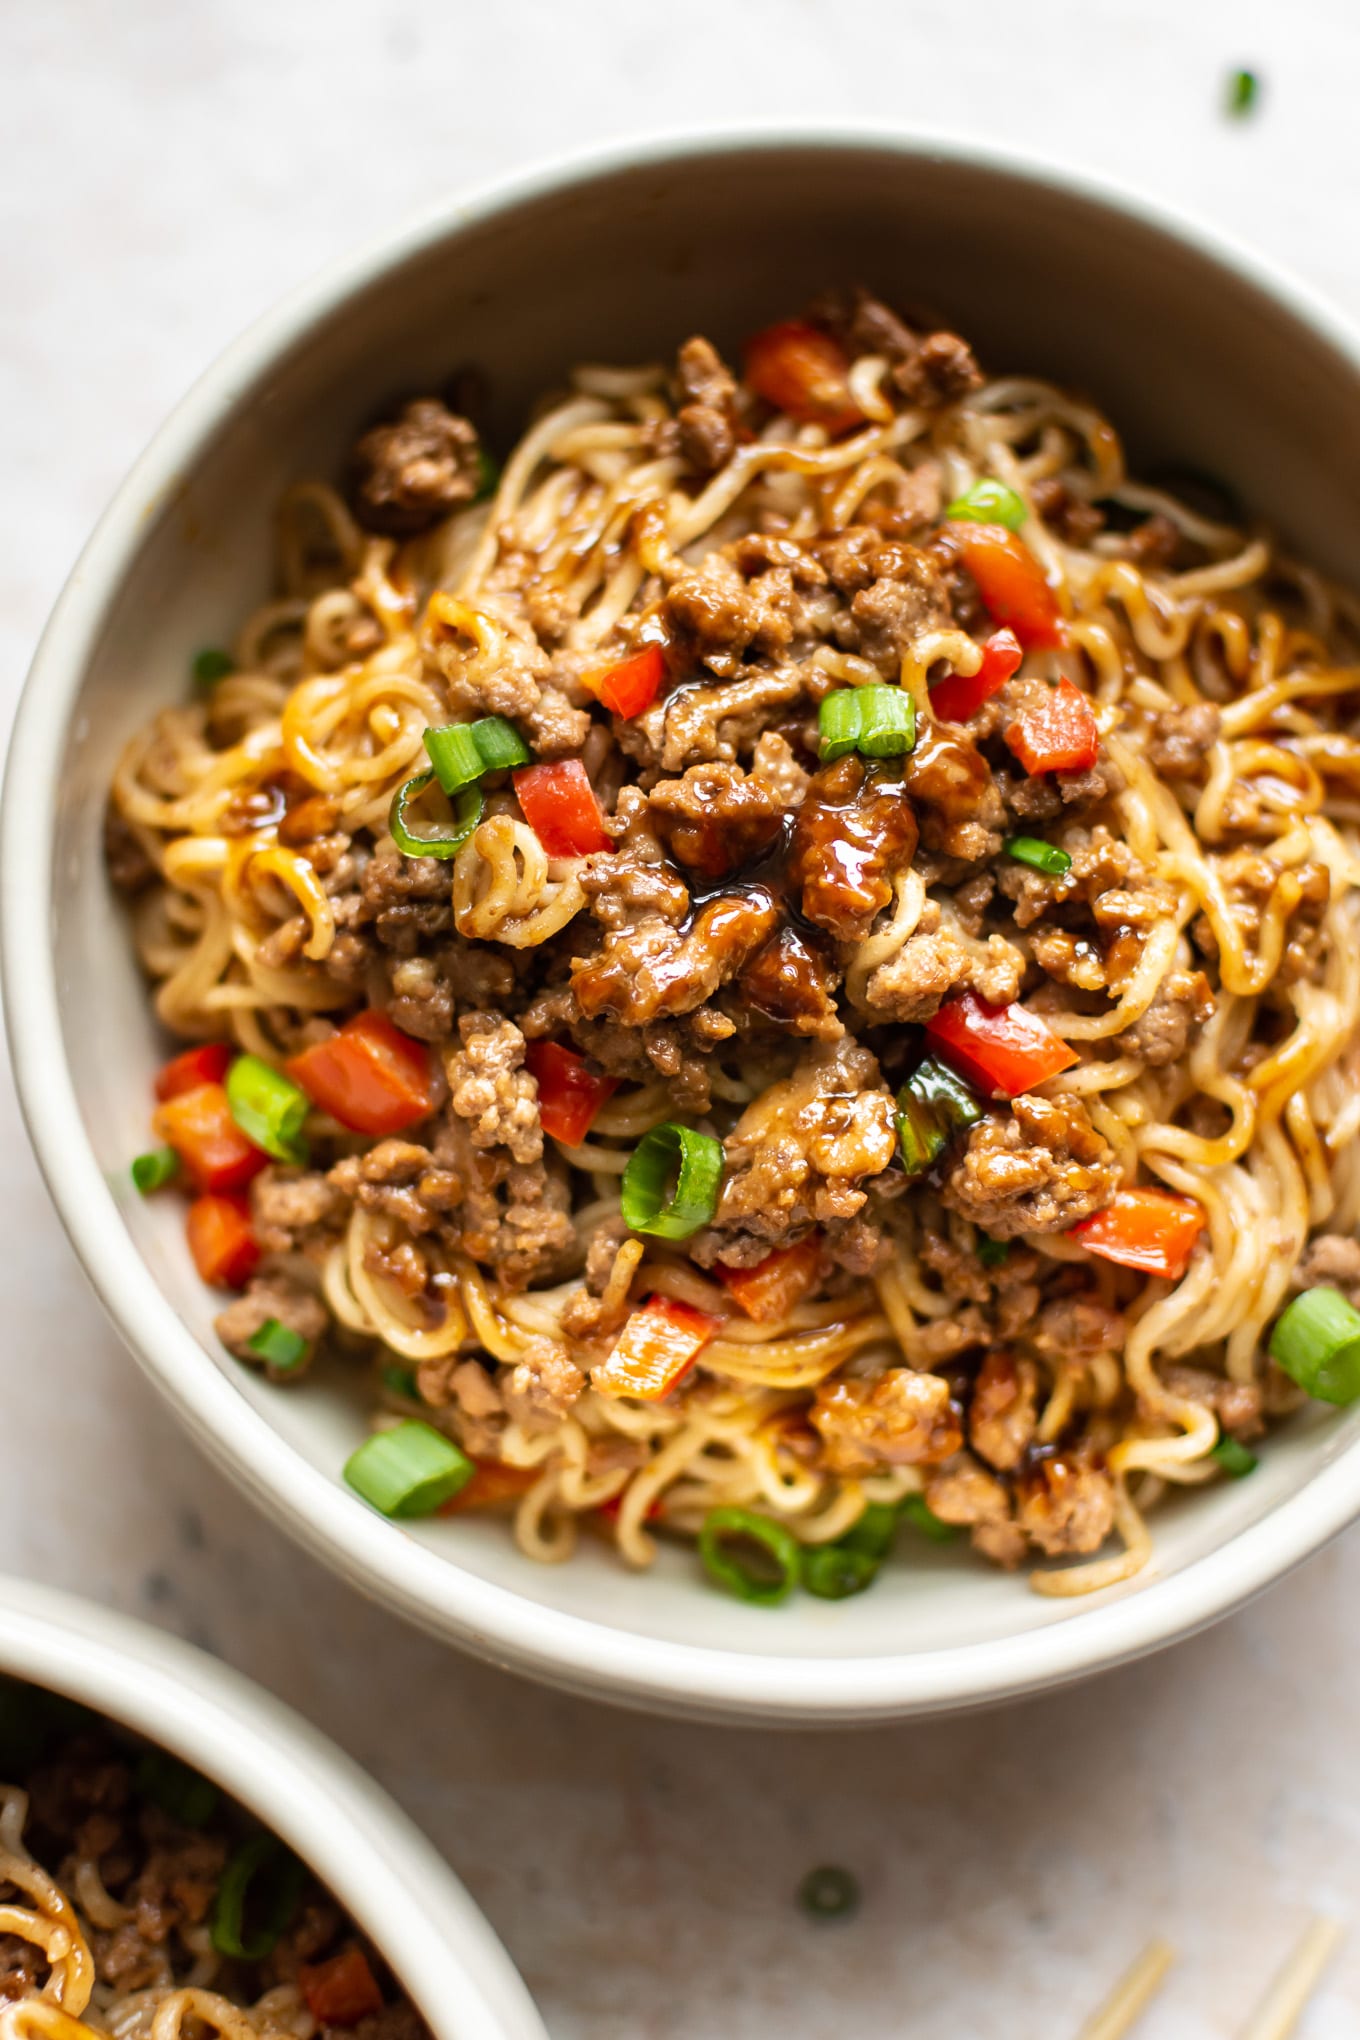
(168, 170)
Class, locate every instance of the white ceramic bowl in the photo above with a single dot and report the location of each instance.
(365, 1851)
(1196, 350)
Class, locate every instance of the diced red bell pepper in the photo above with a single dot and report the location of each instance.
(632, 685)
(369, 1075)
(198, 1125)
(1001, 1050)
(776, 1284)
(613, 1508)
(656, 1348)
(225, 1250)
(569, 1092)
(801, 370)
(206, 1064)
(960, 695)
(1011, 582)
(560, 807)
(1151, 1230)
(1056, 732)
(341, 1991)
(492, 1486)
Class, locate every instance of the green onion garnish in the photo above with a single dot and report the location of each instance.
(444, 842)
(923, 1518)
(268, 1107)
(835, 1571)
(992, 1253)
(753, 1557)
(1316, 1341)
(488, 475)
(874, 1531)
(1244, 89)
(410, 1470)
(1043, 856)
(266, 1877)
(154, 1170)
(1234, 1458)
(399, 1380)
(278, 1345)
(932, 1106)
(462, 752)
(670, 1186)
(878, 722)
(211, 665)
(829, 1893)
(990, 502)
(175, 1789)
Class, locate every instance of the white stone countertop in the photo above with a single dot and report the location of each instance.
(169, 167)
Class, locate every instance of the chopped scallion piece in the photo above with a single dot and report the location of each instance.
(444, 842)
(211, 665)
(878, 722)
(264, 1880)
(992, 1253)
(154, 1170)
(399, 1380)
(990, 502)
(752, 1556)
(462, 752)
(1244, 90)
(923, 1518)
(670, 1186)
(932, 1106)
(835, 1571)
(268, 1107)
(488, 475)
(1316, 1341)
(411, 1470)
(175, 1789)
(874, 1531)
(829, 1893)
(838, 723)
(278, 1345)
(1043, 856)
(1234, 1458)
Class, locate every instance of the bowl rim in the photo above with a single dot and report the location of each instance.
(493, 1621)
(371, 1855)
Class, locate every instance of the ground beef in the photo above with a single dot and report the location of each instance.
(852, 835)
(897, 596)
(933, 369)
(904, 1418)
(543, 1385)
(714, 615)
(1184, 1000)
(1077, 1328)
(1154, 545)
(697, 723)
(964, 1493)
(935, 963)
(802, 1152)
(293, 1209)
(272, 1295)
(635, 880)
(943, 369)
(791, 984)
(1037, 1168)
(409, 474)
(1181, 739)
(514, 1216)
(400, 1179)
(707, 422)
(653, 969)
(406, 899)
(554, 726)
(1238, 1405)
(954, 794)
(715, 818)
(1002, 1409)
(490, 1087)
(1070, 518)
(1065, 1504)
(775, 767)
(1331, 1261)
(22, 1968)
(126, 861)
(511, 686)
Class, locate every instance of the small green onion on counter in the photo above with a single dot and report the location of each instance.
(175, 1789)
(932, 1106)
(990, 502)
(399, 1380)
(1234, 1458)
(462, 752)
(1243, 94)
(278, 1345)
(154, 1170)
(211, 665)
(670, 1186)
(1046, 857)
(877, 721)
(829, 1893)
(992, 1253)
(268, 1107)
(444, 842)
(922, 1517)
(1316, 1341)
(410, 1470)
(266, 1880)
(752, 1556)
(835, 1571)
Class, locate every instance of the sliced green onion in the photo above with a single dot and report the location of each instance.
(752, 1556)
(488, 475)
(835, 1571)
(278, 1345)
(445, 842)
(175, 1789)
(268, 1107)
(922, 1517)
(932, 1106)
(1316, 1341)
(1043, 856)
(992, 1253)
(670, 1186)
(1234, 1458)
(873, 1532)
(399, 1380)
(878, 722)
(462, 752)
(410, 1470)
(211, 665)
(838, 723)
(990, 502)
(154, 1170)
(829, 1893)
(265, 1877)
(1244, 89)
